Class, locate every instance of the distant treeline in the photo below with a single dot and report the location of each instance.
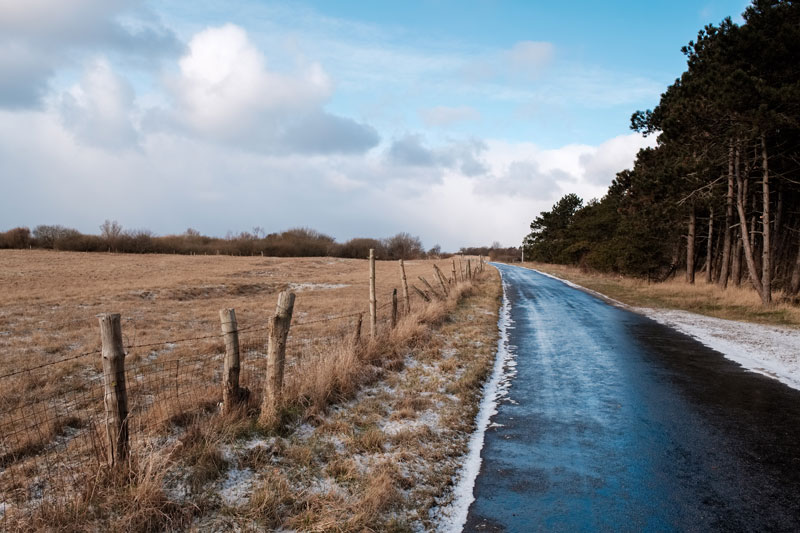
(720, 192)
(297, 242)
(494, 252)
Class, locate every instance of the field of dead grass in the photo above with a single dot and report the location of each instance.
(47, 314)
(734, 303)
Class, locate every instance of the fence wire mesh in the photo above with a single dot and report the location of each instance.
(53, 435)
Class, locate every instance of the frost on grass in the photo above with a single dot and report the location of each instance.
(300, 287)
(237, 487)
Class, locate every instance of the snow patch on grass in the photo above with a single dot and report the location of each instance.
(300, 287)
(237, 487)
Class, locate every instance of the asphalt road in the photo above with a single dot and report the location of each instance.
(616, 423)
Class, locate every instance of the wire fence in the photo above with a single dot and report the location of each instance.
(53, 434)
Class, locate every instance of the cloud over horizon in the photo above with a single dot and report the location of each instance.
(106, 111)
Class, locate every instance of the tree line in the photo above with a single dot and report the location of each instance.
(719, 194)
(296, 242)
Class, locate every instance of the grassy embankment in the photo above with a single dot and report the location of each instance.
(734, 303)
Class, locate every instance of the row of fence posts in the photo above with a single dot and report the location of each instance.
(113, 352)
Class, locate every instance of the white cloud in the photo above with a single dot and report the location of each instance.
(442, 116)
(98, 109)
(225, 92)
(601, 164)
(224, 80)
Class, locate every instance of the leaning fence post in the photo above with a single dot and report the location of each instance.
(394, 308)
(276, 355)
(430, 288)
(440, 277)
(373, 302)
(405, 287)
(421, 293)
(230, 373)
(115, 397)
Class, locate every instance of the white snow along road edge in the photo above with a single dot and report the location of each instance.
(773, 351)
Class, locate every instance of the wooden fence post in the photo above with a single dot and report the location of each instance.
(357, 332)
(455, 279)
(405, 287)
(230, 373)
(440, 277)
(469, 270)
(430, 288)
(115, 398)
(276, 356)
(373, 302)
(394, 308)
(421, 294)
(460, 267)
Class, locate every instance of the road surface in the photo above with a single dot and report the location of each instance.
(616, 423)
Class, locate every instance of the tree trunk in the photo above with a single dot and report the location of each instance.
(690, 247)
(710, 247)
(736, 264)
(795, 284)
(746, 242)
(766, 253)
(753, 241)
(726, 245)
(777, 236)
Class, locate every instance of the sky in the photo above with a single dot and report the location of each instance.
(455, 121)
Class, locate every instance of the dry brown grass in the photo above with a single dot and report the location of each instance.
(734, 303)
(48, 315)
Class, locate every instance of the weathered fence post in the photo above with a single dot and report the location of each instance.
(430, 288)
(461, 267)
(373, 302)
(276, 356)
(115, 398)
(421, 293)
(455, 279)
(357, 332)
(394, 308)
(440, 277)
(469, 270)
(230, 373)
(405, 287)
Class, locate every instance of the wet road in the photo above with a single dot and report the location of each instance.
(613, 422)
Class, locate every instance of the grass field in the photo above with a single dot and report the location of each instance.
(51, 466)
(734, 303)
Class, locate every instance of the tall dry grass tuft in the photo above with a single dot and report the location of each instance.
(129, 499)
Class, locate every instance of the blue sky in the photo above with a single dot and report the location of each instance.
(455, 121)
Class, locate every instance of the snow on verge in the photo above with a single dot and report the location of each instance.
(770, 350)
(453, 517)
